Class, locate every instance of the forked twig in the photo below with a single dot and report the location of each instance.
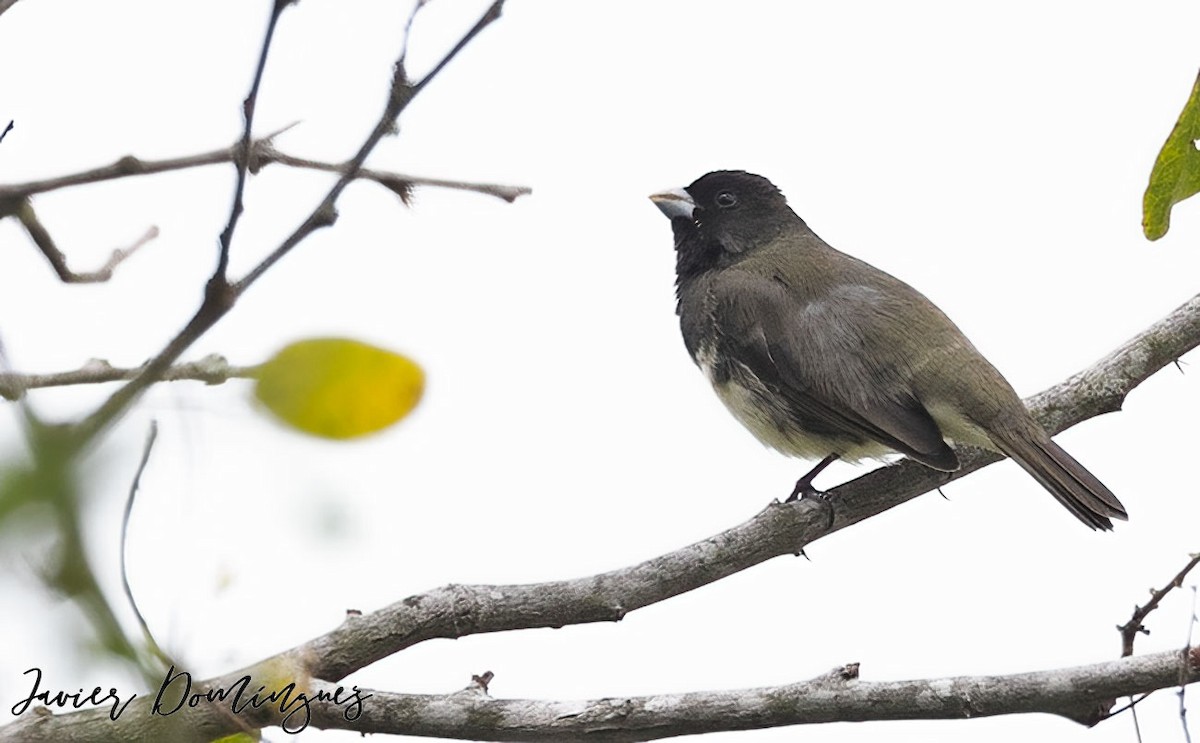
(25, 214)
(1131, 629)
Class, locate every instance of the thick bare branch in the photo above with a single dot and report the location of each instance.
(780, 529)
(1081, 693)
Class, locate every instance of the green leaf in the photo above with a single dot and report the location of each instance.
(1176, 173)
(241, 738)
(339, 388)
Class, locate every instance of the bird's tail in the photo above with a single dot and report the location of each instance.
(1067, 480)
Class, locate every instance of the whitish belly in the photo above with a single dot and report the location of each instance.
(751, 403)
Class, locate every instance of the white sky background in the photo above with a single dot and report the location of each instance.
(993, 157)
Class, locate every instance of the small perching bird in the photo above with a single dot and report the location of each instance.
(822, 356)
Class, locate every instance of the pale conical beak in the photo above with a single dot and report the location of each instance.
(674, 203)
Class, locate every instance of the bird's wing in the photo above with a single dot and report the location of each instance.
(812, 354)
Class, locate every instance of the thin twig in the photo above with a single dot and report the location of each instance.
(120, 255)
(243, 149)
(263, 153)
(1132, 705)
(153, 676)
(1133, 715)
(1131, 629)
(123, 167)
(489, 17)
(1183, 720)
(8, 128)
(212, 369)
(58, 261)
(155, 648)
(397, 182)
(402, 93)
(407, 34)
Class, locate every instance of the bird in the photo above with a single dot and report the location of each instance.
(823, 356)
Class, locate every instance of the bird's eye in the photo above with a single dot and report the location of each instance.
(726, 199)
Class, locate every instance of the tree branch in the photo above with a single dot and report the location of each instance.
(780, 529)
(212, 369)
(1081, 693)
(14, 198)
(262, 153)
(242, 149)
(403, 91)
(1131, 629)
(23, 210)
(160, 659)
(396, 182)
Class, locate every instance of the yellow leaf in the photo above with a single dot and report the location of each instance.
(339, 388)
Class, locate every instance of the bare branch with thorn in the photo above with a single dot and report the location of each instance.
(262, 153)
(1131, 629)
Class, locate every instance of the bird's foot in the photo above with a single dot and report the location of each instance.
(804, 486)
(804, 489)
